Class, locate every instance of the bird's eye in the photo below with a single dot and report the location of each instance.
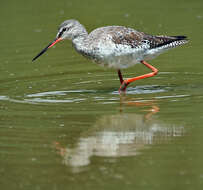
(63, 30)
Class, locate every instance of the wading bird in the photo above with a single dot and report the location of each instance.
(116, 46)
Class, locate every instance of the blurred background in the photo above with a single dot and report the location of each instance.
(63, 124)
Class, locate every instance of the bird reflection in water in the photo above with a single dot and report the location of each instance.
(121, 135)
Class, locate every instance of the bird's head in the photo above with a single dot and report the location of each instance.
(69, 29)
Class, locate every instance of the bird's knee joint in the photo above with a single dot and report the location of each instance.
(155, 72)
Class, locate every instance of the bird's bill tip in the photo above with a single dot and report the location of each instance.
(46, 48)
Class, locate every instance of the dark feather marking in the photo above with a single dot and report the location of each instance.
(132, 39)
(158, 41)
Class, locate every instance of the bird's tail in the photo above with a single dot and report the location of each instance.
(172, 41)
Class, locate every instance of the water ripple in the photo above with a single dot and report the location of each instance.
(58, 93)
(82, 95)
(146, 89)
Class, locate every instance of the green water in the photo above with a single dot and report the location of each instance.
(63, 124)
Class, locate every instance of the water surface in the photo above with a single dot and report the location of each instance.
(63, 124)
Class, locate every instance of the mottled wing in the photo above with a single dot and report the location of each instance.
(127, 36)
(135, 39)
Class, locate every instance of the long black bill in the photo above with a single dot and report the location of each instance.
(46, 48)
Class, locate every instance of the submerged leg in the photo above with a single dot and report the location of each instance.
(120, 76)
(126, 82)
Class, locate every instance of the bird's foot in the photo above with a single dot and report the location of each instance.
(123, 86)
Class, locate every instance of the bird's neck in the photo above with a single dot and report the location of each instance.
(79, 40)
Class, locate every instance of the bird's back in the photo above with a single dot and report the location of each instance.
(117, 35)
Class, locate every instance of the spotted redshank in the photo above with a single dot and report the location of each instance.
(116, 46)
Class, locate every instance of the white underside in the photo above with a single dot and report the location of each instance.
(125, 57)
(119, 56)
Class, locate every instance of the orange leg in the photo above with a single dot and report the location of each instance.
(126, 82)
